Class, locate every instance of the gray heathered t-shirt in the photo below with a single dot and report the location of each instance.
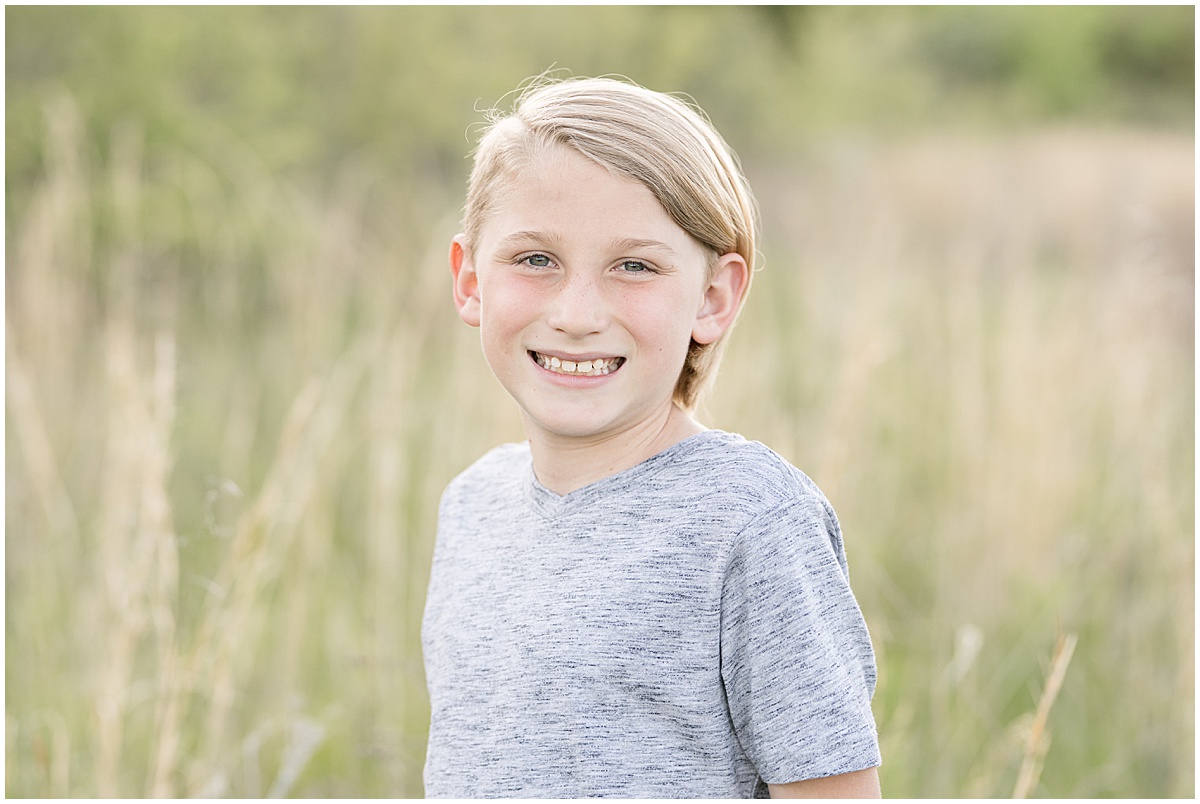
(682, 629)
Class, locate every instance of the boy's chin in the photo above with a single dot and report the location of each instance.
(582, 425)
(593, 424)
(576, 428)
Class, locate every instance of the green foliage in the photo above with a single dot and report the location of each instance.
(1131, 62)
(398, 87)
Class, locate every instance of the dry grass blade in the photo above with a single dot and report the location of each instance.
(263, 535)
(35, 447)
(1038, 741)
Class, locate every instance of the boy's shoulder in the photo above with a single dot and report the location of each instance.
(751, 470)
(498, 468)
(784, 512)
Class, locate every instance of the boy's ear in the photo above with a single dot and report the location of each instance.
(466, 281)
(722, 299)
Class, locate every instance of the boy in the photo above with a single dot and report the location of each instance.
(629, 604)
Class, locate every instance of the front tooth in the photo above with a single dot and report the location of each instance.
(567, 365)
(584, 367)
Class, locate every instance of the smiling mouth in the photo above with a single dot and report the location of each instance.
(597, 367)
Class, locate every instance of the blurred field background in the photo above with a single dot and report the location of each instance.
(236, 385)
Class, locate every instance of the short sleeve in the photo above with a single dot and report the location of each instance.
(796, 658)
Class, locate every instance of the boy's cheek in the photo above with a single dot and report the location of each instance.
(510, 305)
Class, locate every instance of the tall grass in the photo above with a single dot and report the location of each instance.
(233, 400)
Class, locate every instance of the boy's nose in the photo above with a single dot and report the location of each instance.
(578, 309)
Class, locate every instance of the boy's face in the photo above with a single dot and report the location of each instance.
(587, 295)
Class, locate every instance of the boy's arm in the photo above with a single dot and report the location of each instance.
(859, 784)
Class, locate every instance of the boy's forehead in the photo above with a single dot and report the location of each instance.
(547, 166)
(562, 190)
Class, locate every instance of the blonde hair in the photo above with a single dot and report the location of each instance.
(658, 140)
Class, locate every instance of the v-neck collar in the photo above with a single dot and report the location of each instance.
(552, 505)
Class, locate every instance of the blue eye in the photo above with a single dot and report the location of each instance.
(537, 260)
(635, 267)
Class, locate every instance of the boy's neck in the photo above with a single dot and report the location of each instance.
(563, 465)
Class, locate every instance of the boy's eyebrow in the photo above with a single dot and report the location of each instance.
(637, 243)
(620, 244)
(526, 236)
